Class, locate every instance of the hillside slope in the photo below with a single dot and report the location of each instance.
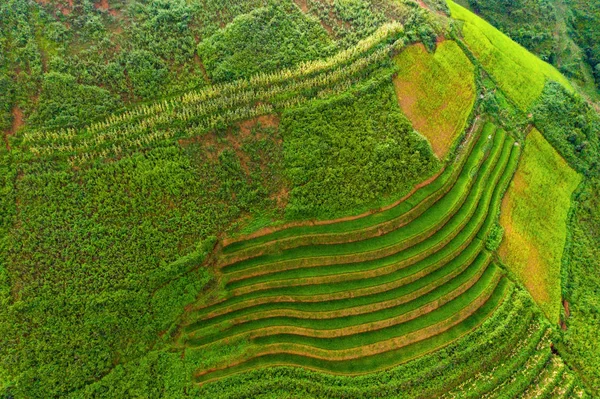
(253, 199)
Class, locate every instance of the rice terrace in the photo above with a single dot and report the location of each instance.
(299, 199)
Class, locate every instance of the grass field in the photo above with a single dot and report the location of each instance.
(520, 74)
(534, 214)
(436, 92)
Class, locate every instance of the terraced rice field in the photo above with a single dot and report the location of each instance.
(361, 296)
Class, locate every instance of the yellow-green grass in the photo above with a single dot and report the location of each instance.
(436, 92)
(534, 216)
(520, 74)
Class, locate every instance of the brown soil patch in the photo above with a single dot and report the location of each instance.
(281, 198)
(17, 122)
(263, 120)
(302, 4)
(566, 307)
(102, 5)
(232, 140)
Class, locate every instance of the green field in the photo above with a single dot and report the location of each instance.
(436, 92)
(534, 217)
(373, 300)
(520, 74)
(267, 199)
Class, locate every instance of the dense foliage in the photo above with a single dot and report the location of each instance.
(351, 151)
(563, 33)
(136, 132)
(265, 40)
(571, 125)
(581, 286)
(120, 227)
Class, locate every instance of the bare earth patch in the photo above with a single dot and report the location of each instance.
(16, 124)
(436, 92)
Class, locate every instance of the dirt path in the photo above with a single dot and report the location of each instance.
(17, 123)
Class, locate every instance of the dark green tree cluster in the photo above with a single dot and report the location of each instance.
(563, 33)
(528, 22)
(264, 40)
(585, 20)
(571, 125)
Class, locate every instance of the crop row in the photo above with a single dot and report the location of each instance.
(400, 213)
(448, 210)
(359, 287)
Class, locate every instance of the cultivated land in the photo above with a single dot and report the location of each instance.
(291, 199)
(520, 74)
(400, 284)
(436, 92)
(535, 227)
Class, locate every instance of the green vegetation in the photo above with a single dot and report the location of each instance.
(520, 74)
(393, 316)
(581, 284)
(539, 197)
(350, 151)
(560, 32)
(436, 92)
(571, 125)
(470, 366)
(264, 40)
(170, 172)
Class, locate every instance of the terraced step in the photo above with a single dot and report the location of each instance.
(402, 290)
(565, 387)
(547, 380)
(403, 211)
(523, 377)
(419, 229)
(342, 322)
(368, 358)
(487, 380)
